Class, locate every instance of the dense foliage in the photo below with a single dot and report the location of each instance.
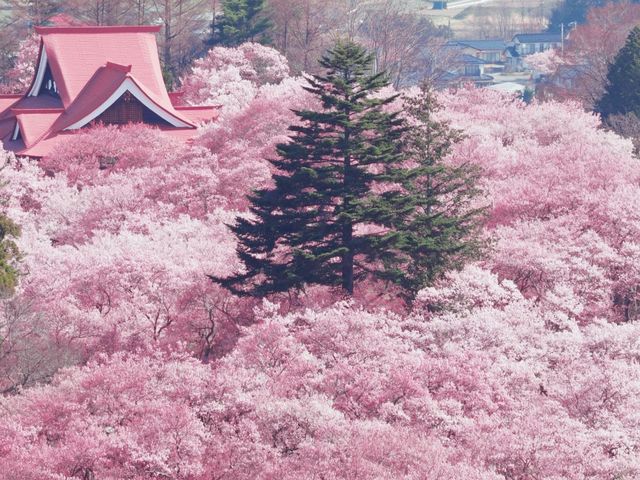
(571, 11)
(19, 77)
(579, 72)
(120, 359)
(576, 11)
(621, 95)
(360, 193)
(232, 77)
(442, 229)
(241, 21)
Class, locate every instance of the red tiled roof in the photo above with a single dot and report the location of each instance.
(75, 53)
(103, 84)
(7, 101)
(6, 127)
(35, 123)
(43, 147)
(91, 66)
(199, 114)
(31, 103)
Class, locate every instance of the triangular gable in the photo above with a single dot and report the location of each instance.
(106, 87)
(93, 74)
(74, 54)
(131, 86)
(41, 71)
(31, 125)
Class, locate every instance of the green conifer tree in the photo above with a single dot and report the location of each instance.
(241, 21)
(358, 194)
(443, 230)
(622, 94)
(9, 256)
(568, 11)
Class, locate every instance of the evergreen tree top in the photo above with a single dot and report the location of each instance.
(241, 21)
(345, 206)
(622, 94)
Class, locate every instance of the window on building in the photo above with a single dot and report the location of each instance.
(17, 134)
(472, 70)
(48, 86)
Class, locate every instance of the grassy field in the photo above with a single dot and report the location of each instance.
(488, 18)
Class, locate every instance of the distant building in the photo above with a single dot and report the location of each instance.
(490, 51)
(475, 61)
(472, 66)
(529, 43)
(524, 44)
(466, 69)
(86, 75)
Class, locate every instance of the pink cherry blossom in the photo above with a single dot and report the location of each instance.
(119, 358)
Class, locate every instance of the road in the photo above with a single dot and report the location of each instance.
(465, 3)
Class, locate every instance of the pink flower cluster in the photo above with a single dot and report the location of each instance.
(232, 77)
(120, 359)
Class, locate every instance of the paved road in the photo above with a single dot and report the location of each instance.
(465, 3)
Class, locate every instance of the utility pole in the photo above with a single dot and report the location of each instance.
(214, 8)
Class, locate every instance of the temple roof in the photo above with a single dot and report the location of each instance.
(83, 71)
(75, 53)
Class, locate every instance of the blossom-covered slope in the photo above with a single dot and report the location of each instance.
(120, 359)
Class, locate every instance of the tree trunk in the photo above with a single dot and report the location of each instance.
(141, 12)
(214, 8)
(347, 259)
(347, 228)
(167, 35)
(307, 35)
(285, 38)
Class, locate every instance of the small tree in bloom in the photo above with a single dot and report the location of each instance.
(19, 77)
(545, 63)
(231, 76)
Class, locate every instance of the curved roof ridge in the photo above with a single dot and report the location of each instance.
(99, 89)
(75, 53)
(91, 72)
(28, 111)
(100, 29)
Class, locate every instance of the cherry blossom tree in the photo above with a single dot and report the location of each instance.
(580, 72)
(18, 78)
(120, 359)
(487, 391)
(232, 76)
(553, 188)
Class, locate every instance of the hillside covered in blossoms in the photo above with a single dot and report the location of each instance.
(121, 359)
